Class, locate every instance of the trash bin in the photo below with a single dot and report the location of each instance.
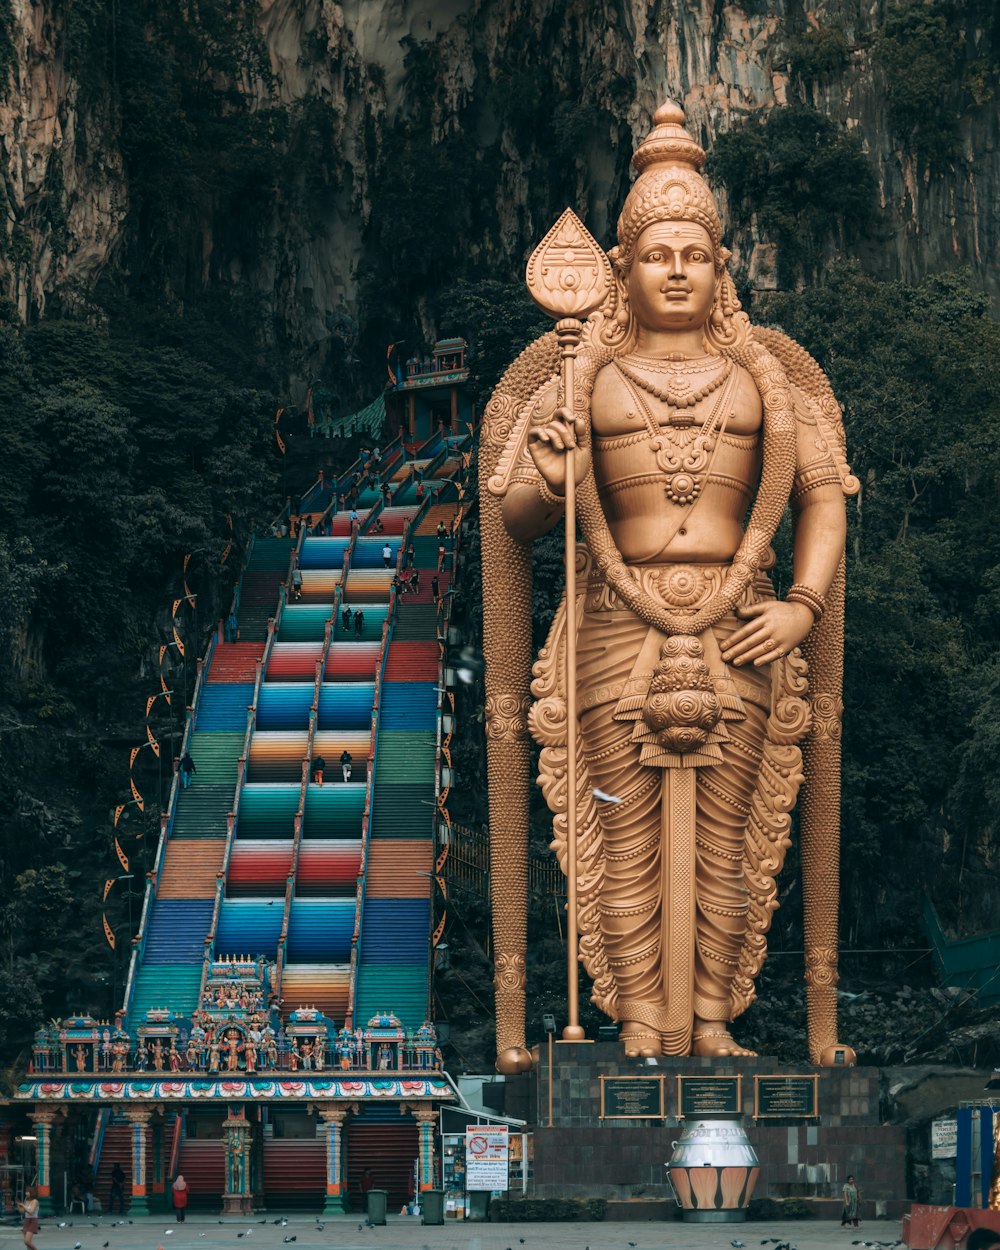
(432, 1206)
(479, 1205)
(377, 1199)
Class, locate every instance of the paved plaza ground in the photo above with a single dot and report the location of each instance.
(202, 1232)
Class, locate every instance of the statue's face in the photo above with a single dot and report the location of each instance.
(671, 283)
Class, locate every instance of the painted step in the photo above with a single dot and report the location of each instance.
(254, 619)
(408, 756)
(190, 867)
(270, 554)
(223, 706)
(175, 931)
(399, 868)
(166, 985)
(234, 662)
(412, 661)
(215, 756)
(402, 811)
(202, 811)
(324, 986)
(400, 988)
(395, 930)
(416, 623)
(408, 705)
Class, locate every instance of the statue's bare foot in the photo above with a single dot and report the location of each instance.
(639, 1040)
(716, 1043)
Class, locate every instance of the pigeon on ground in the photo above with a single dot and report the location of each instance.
(62, 1224)
(320, 1226)
(286, 1240)
(106, 1244)
(168, 1232)
(737, 1244)
(78, 1245)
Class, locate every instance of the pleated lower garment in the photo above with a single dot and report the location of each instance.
(632, 906)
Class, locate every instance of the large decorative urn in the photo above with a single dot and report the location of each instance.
(713, 1170)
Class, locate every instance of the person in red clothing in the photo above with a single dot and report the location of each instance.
(179, 1191)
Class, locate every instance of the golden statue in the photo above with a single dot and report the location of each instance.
(701, 702)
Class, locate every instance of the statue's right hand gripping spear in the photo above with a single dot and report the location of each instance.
(569, 277)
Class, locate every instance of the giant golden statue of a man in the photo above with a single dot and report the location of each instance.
(698, 691)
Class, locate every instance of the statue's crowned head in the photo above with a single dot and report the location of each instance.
(670, 188)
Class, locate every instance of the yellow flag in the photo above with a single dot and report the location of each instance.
(107, 889)
(118, 813)
(107, 932)
(131, 759)
(152, 742)
(140, 802)
(123, 858)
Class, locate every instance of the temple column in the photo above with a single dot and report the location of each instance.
(158, 1162)
(411, 415)
(139, 1118)
(6, 1192)
(237, 1199)
(426, 1116)
(43, 1119)
(333, 1116)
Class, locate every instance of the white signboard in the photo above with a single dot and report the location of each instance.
(486, 1155)
(944, 1139)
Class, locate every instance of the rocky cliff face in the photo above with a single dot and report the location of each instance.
(529, 103)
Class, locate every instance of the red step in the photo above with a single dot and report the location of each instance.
(425, 594)
(202, 1163)
(412, 661)
(235, 661)
(295, 1172)
(389, 1150)
(261, 588)
(117, 1148)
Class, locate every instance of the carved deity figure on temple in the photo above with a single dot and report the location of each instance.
(698, 690)
(157, 1052)
(80, 1058)
(231, 1045)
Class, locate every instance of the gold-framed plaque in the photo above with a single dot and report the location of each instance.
(786, 1097)
(709, 1095)
(633, 1097)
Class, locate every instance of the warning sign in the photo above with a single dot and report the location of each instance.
(486, 1157)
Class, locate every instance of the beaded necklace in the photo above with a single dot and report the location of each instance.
(683, 455)
(681, 395)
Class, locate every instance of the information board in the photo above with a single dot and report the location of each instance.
(786, 1097)
(632, 1098)
(486, 1157)
(709, 1095)
(944, 1138)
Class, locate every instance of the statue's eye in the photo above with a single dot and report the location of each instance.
(655, 258)
(698, 255)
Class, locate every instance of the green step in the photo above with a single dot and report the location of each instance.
(270, 555)
(202, 810)
(402, 811)
(253, 621)
(415, 623)
(405, 756)
(165, 985)
(425, 550)
(215, 756)
(400, 988)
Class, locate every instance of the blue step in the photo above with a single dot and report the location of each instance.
(222, 706)
(323, 553)
(368, 552)
(284, 705)
(395, 930)
(346, 704)
(249, 926)
(176, 930)
(320, 930)
(408, 705)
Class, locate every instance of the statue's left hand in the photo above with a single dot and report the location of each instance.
(772, 629)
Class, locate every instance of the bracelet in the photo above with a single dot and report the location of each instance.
(808, 597)
(543, 489)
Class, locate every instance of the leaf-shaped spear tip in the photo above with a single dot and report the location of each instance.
(569, 274)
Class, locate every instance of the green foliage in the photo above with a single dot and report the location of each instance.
(919, 53)
(820, 53)
(805, 180)
(538, 1210)
(770, 1209)
(8, 51)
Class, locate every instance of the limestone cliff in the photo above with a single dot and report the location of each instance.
(528, 103)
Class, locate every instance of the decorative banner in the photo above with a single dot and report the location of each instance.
(281, 441)
(187, 589)
(140, 802)
(177, 642)
(107, 889)
(225, 553)
(152, 742)
(177, 638)
(131, 759)
(438, 932)
(166, 692)
(123, 858)
(118, 812)
(107, 932)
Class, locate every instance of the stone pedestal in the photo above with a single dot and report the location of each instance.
(584, 1156)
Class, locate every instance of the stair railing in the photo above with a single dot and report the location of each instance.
(97, 1139)
(175, 1146)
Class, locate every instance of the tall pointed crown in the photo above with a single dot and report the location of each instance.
(669, 186)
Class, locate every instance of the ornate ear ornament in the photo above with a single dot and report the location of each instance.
(727, 325)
